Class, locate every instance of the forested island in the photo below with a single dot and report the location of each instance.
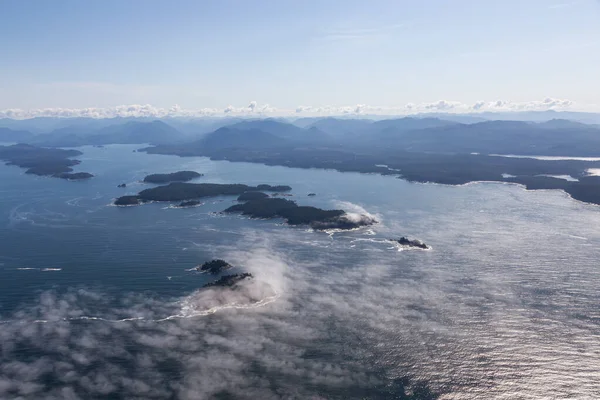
(180, 176)
(43, 161)
(300, 215)
(74, 176)
(180, 191)
(256, 204)
(252, 196)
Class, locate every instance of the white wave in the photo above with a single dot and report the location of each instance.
(548, 158)
(74, 202)
(568, 178)
(51, 269)
(593, 171)
(355, 212)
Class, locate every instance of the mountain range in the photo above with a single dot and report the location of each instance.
(558, 137)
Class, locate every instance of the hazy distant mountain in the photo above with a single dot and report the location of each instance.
(10, 135)
(196, 127)
(284, 130)
(229, 137)
(460, 118)
(410, 124)
(43, 125)
(341, 127)
(564, 124)
(155, 132)
(542, 116)
(505, 137)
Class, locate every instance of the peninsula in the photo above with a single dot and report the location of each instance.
(43, 161)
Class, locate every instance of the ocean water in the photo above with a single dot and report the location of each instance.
(98, 301)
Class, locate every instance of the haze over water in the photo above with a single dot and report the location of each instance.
(98, 301)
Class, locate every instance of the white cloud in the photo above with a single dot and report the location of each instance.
(256, 109)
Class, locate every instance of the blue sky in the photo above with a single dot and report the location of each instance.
(213, 54)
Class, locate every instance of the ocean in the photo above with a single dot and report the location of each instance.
(102, 302)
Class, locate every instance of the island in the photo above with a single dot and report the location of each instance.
(180, 176)
(214, 266)
(229, 281)
(181, 191)
(189, 203)
(43, 161)
(122, 185)
(128, 201)
(294, 214)
(404, 241)
(247, 196)
(74, 176)
(312, 194)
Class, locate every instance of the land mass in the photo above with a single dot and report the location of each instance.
(189, 203)
(415, 149)
(180, 191)
(180, 176)
(300, 215)
(247, 196)
(404, 241)
(43, 161)
(449, 169)
(74, 176)
(229, 281)
(214, 266)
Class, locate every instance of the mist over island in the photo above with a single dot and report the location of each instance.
(208, 200)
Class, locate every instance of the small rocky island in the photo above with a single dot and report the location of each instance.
(44, 161)
(128, 201)
(229, 281)
(181, 191)
(312, 194)
(189, 203)
(180, 176)
(300, 215)
(122, 185)
(404, 241)
(214, 266)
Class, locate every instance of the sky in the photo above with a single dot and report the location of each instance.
(299, 57)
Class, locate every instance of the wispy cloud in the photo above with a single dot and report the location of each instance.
(362, 33)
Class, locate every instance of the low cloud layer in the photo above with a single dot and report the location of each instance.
(255, 109)
(341, 316)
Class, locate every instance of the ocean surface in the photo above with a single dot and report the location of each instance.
(102, 302)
